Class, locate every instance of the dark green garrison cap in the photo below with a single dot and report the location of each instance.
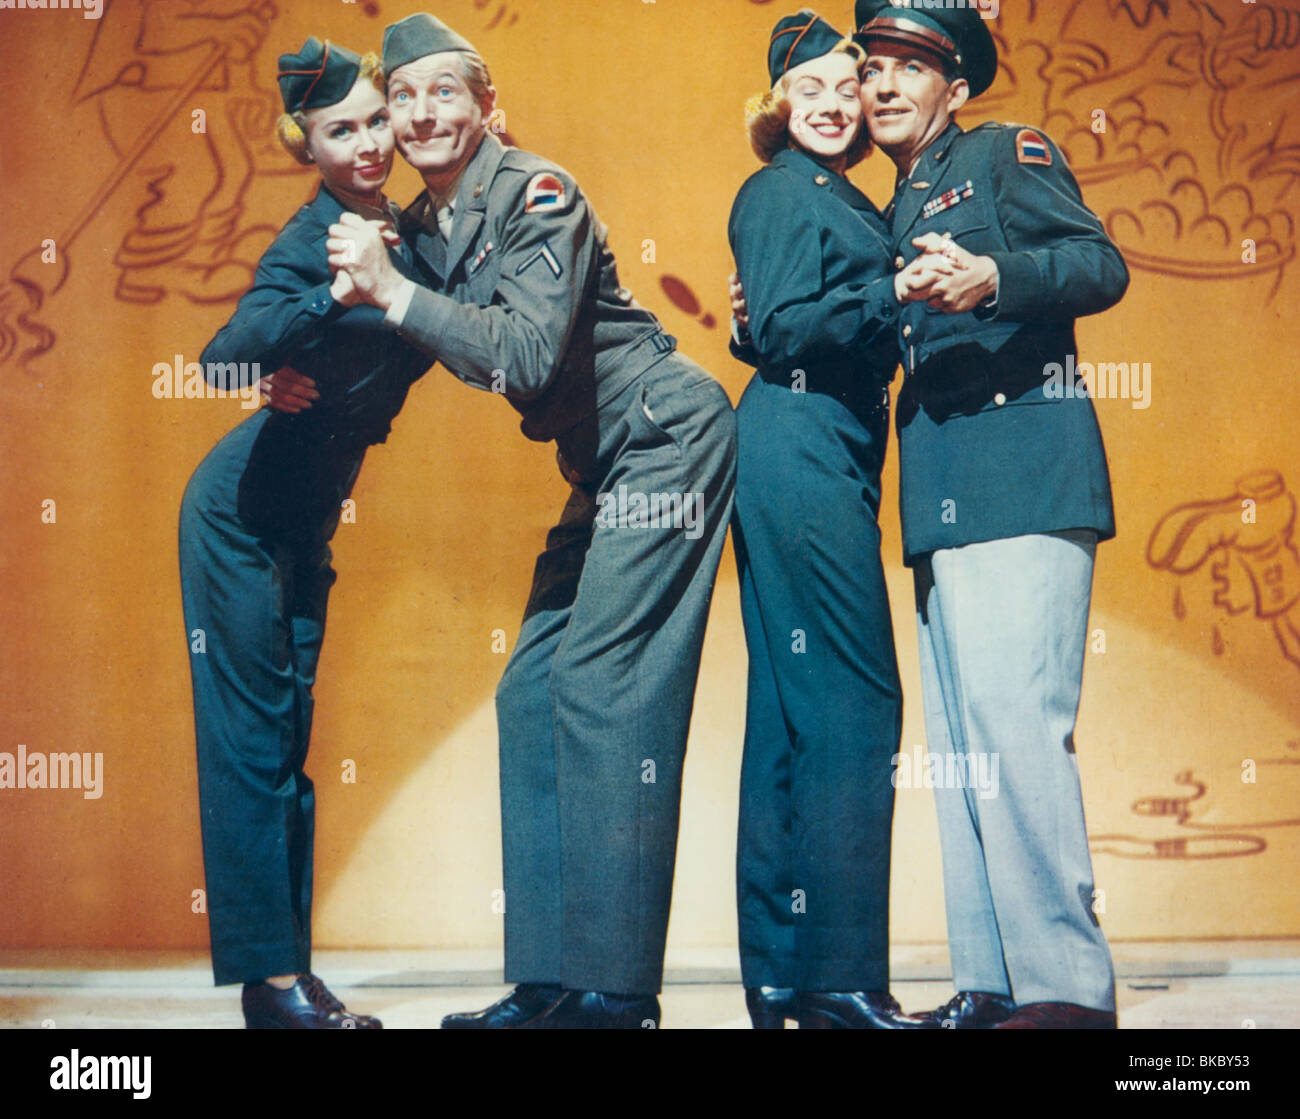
(798, 39)
(320, 74)
(955, 33)
(417, 36)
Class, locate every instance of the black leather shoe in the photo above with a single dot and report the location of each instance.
(591, 1010)
(514, 1012)
(1059, 1016)
(769, 1007)
(307, 1005)
(971, 1010)
(854, 1010)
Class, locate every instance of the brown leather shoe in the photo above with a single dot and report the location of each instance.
(1059, 1016)
(307, 1005)
(971, 1010)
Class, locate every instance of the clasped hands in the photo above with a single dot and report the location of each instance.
(945, 277)
(363, 273)
(358, 256)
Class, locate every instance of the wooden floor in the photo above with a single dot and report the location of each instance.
(1198, 985)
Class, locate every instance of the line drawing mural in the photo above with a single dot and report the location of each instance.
(1248, 540)
(1181, 127)
(157, 61)
(1195, 838)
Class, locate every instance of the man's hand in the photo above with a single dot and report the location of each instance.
(913, 283)
(958, 281)
(344, 290)
(357, 246)
(287, 390)
(739, 308)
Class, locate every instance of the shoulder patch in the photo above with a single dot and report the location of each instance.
(545, 193)
(1032, 148)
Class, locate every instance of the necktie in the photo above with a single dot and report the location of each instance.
(444, 222)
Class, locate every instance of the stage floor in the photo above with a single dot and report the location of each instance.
(1187, 985)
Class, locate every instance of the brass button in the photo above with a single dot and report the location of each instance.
(900, 263)
(907, 331)
(1000, 399)
(821, 180)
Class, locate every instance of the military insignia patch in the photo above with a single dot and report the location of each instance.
(1032, 148)
(545, 255)
(544, 193)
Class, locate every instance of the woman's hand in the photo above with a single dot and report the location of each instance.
(286, 390)
(739, 308)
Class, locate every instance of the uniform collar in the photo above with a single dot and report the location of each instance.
(932, 159)
(469, 206)
(805, 166)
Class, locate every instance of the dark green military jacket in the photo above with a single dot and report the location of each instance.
(815, 258)
(986, 450)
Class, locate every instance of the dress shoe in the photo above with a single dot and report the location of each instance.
(971, 1010)
(591, 1010)
(769, 1007)
(307, 1005)
(854, 1010)
(514, 1012)
(1059, 1016)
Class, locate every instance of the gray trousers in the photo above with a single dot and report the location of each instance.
(1003, 629)
(595, 704)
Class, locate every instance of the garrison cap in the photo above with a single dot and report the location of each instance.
(417, 36)
(798, 39)
(957, 34)
(320, 74)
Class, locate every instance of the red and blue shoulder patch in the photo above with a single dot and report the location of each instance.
(1032, 148)
(545, 193)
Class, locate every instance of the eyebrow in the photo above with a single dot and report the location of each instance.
(355, 120)
(435, 78)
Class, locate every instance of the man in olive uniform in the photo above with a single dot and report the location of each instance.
(1005, 494)
(522, 297)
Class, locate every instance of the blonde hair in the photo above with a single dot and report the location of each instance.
(767, 116)
(291, 128)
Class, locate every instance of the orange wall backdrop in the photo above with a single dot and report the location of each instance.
(1180, 119)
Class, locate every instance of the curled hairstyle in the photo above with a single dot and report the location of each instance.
(291, 128)
(767, 116)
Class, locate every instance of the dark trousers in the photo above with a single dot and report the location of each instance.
(259, 603)
(595, 703)
(824, 711)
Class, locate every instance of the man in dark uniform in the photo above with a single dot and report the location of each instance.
(1005, 493)
(522, 297)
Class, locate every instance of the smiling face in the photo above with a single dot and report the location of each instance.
(908, 101)
(352, 142)
(825, 106)
(437, 120)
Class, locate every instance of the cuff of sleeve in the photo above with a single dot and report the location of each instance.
(1018, 284)
(396, 312)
